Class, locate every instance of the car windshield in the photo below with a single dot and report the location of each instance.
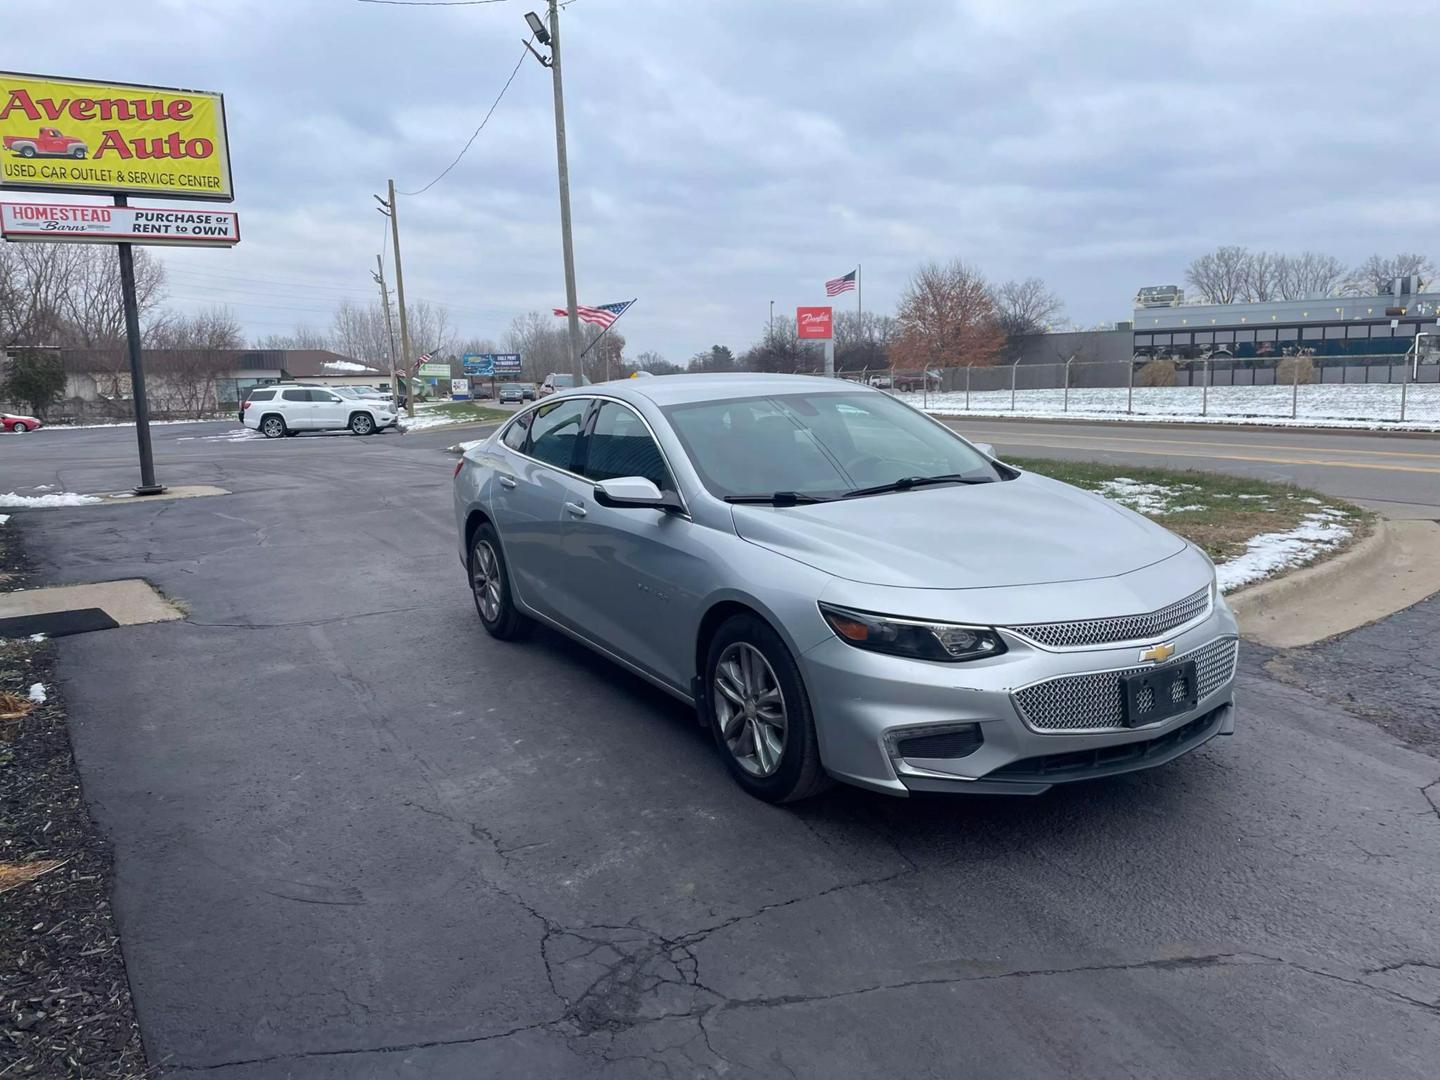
(510, 388)
(822, 445)
(562, 381)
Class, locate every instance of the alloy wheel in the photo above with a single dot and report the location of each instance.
(485, 581)
(750, 708)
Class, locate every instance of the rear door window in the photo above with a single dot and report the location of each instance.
(555, 431)
(295, 395)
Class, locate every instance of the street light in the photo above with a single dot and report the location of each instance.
(537, 27)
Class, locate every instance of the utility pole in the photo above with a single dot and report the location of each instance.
(389, 330)
(552, 38)
(389, 210)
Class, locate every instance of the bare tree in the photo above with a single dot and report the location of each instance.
(1308, 275)
(1220, 276)
(1376, 275)
(1027, 307)
(212, 327)
(863, 340)
(1262, 277)
(430, 329)
(358, 331)
(656, 364)
(302, 337)
(947, 318)
(541, 341)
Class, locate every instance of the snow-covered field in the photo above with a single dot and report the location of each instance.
(1327, 405)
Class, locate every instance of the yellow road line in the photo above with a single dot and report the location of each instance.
(1004, 436)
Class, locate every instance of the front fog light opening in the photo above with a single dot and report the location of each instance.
(936, 742)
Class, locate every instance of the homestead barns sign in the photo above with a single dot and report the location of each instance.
(74, 135)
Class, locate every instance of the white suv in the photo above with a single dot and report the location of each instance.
(288, 410)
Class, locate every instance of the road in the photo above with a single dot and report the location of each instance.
(1397, 476)
(357, 837)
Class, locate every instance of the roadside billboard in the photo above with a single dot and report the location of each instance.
(434, 371)
(813, 322)
(490, 363)
(118, 224)
(79, 135)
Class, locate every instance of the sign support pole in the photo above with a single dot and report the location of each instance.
(148, 486)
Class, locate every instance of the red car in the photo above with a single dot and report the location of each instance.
(48, 143)
(18, 424)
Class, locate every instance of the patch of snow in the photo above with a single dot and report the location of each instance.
(1269, 553)
(125, 423)
(44, 487)
(30, 502)
(1154, 500)
(233, 435)
(347, 365)
(37, 637)
(37, 693)
(4, 518)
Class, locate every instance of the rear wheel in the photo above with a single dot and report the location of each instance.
(490, 586)
(27, 151)
(759, 713)
(272, 427)
(20, 427)
(362, 424)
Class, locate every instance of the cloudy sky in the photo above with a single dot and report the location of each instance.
(726, 153)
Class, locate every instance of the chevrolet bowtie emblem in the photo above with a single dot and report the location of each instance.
(1158, 653)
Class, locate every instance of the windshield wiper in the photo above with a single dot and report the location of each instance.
(905, 483)
(778, 498)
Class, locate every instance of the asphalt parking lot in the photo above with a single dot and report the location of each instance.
(356, 837)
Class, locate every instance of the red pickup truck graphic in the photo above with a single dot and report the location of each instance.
(49, 143)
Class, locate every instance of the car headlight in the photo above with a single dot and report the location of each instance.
(919, 640)
(1214, 574)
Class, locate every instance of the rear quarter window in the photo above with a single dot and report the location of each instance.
(262, 395)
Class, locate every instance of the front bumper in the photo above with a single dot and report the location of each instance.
(860, 697)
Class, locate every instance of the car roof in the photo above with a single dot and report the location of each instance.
(686, 388)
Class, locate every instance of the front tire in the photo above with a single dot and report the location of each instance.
(78, 153)
(490, 587)
(272, 427)
(20, 428)
(362, 424)
(757, 708)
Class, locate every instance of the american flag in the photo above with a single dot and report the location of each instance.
(835, 286)
(423, 358)
(601, 316)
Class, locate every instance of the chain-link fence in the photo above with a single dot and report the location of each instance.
(1356, 389)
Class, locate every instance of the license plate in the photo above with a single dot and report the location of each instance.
(1156, 695)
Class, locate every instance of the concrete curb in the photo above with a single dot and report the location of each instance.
(1395, 566)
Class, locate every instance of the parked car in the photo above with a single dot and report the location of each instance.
(48, 143)
(510, 392)
(528, 389)
(19, 424)
(555, 382)
(288, 410)
(845, 588)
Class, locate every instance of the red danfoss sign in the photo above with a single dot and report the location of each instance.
(813, 322)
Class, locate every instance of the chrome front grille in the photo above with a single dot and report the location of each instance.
(1080, 703)
(1069, 635)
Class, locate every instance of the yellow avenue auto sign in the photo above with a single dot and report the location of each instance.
(112, 138)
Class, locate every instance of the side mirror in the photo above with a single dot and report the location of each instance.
(985, 448)
(634, 493)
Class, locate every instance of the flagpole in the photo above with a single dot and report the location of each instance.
(606, 330)
(859, 301)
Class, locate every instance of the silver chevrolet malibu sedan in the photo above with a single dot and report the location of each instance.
(844, 588)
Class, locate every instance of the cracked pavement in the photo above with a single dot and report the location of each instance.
(356, 837)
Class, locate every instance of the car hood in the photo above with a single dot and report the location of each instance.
(1027, 531)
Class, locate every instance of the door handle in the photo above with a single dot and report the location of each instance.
(506, 481)
(574, 509)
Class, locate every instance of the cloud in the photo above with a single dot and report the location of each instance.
(725, 153)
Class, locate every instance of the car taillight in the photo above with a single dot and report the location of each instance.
(458, 466)
(244, 406)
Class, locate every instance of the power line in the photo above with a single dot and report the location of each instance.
(433, 3)
(479, 129)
